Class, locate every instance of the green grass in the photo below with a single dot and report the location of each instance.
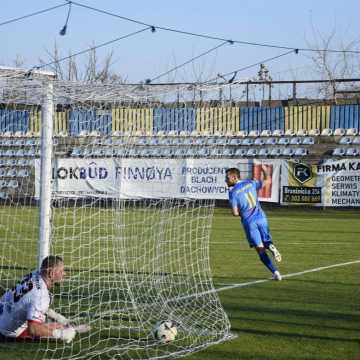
(310, 316)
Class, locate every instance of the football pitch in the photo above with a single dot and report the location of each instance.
(314, 313)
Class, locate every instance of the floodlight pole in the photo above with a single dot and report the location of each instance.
(47, 110)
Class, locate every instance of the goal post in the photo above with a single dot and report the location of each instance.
(100, 187)
(46, 137)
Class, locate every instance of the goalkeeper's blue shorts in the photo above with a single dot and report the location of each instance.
(257, 232)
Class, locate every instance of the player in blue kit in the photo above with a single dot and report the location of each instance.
(244, 203)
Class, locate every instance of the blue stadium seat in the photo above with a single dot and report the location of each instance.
(235, 141)
(308, 140)
(271, 141)
(339, 152)
(299, 152)
(346, 140)
(264, 152)
(284, 141)
(352, 152)
(356, 140)
(275, 151)
(259, 142)
(248, 142)
(295, 141)
(13, 184)
(203, 152)
(240, 152)
(251, 152)
(288, 152)
(228, 152)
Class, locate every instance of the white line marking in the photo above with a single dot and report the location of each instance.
(233, 286)
(287, 243)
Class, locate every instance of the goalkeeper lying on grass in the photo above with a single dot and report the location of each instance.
(24, 309)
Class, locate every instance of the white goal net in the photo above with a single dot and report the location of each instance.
(134, 253)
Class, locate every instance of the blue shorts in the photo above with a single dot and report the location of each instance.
(257, 232)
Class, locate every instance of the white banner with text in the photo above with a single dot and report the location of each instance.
(154, 178)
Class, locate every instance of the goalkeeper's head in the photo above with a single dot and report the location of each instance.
(52, 270)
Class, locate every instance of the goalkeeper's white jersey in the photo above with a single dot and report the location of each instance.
(28, 300)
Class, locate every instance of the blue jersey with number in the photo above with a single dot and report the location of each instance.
(243, 196)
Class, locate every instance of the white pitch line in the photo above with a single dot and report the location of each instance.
(240, 285)
(288, 243)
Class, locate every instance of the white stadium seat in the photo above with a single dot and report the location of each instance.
(326, 132)
(94, 133)
(242, 133)
(290, 132)
(351, 132)
(184, 133)
(314, 132)
(254, 133)
(278, 132)
(339, 132)
(266, 133)
(83, 133)
(301, 132)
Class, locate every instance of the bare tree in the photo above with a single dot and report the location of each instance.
(330, 65)
(93, 70)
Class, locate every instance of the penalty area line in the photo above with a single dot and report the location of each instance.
(249, 283)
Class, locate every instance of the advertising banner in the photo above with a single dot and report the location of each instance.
(334, 183)
(300, 183)
(153, 178)
(341, 181)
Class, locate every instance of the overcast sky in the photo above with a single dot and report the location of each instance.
(278, 22)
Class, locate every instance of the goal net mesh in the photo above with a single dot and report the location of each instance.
(134, 255)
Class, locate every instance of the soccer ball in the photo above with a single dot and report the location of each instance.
(165, 331)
